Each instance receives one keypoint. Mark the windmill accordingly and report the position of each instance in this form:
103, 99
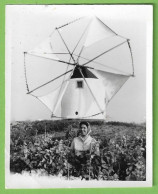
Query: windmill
78, 69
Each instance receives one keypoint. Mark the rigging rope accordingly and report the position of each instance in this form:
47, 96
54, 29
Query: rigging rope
80, 40
78, 117
49, 58
117, 90
101, 65
59, 99
27, 86
69, 23
48, 82
62, 83
66, 117
106, 26
131, 55
56, 53
104, 52
65, 45
91, 91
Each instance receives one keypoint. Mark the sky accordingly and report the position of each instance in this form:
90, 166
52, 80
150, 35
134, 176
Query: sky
28, 25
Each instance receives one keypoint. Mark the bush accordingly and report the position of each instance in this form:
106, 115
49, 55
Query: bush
122, 150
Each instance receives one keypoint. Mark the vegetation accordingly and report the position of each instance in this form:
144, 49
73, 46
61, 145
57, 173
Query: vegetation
44, 146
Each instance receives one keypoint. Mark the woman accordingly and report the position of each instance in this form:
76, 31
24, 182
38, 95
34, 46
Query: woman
84, 142
82, 148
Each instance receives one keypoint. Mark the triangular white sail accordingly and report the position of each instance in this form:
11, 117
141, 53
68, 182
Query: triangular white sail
53, 99
111, 54
50, 99
112, 83
97, 89
97, 31
45, 75
73, 35
44, 50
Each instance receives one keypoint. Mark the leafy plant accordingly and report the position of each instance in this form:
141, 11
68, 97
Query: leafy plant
122, 151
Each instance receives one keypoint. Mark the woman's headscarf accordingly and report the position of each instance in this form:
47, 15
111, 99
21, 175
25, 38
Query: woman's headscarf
87, 125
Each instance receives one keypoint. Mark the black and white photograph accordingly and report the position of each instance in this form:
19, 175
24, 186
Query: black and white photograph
78, 96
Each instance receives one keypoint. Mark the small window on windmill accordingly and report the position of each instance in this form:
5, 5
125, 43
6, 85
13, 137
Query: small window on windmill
79, 84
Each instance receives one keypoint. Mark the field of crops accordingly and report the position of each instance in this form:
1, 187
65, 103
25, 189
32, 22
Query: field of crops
43, 147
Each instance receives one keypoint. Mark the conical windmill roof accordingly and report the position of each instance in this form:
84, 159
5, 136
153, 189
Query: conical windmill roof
85, 72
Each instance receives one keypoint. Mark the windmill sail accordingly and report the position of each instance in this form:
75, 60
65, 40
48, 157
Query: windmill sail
77, 70
111, 83
97, 31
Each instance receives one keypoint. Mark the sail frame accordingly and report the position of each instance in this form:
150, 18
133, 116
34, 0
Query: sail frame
75, 62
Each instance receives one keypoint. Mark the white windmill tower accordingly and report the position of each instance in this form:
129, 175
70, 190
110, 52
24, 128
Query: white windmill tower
84, 96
